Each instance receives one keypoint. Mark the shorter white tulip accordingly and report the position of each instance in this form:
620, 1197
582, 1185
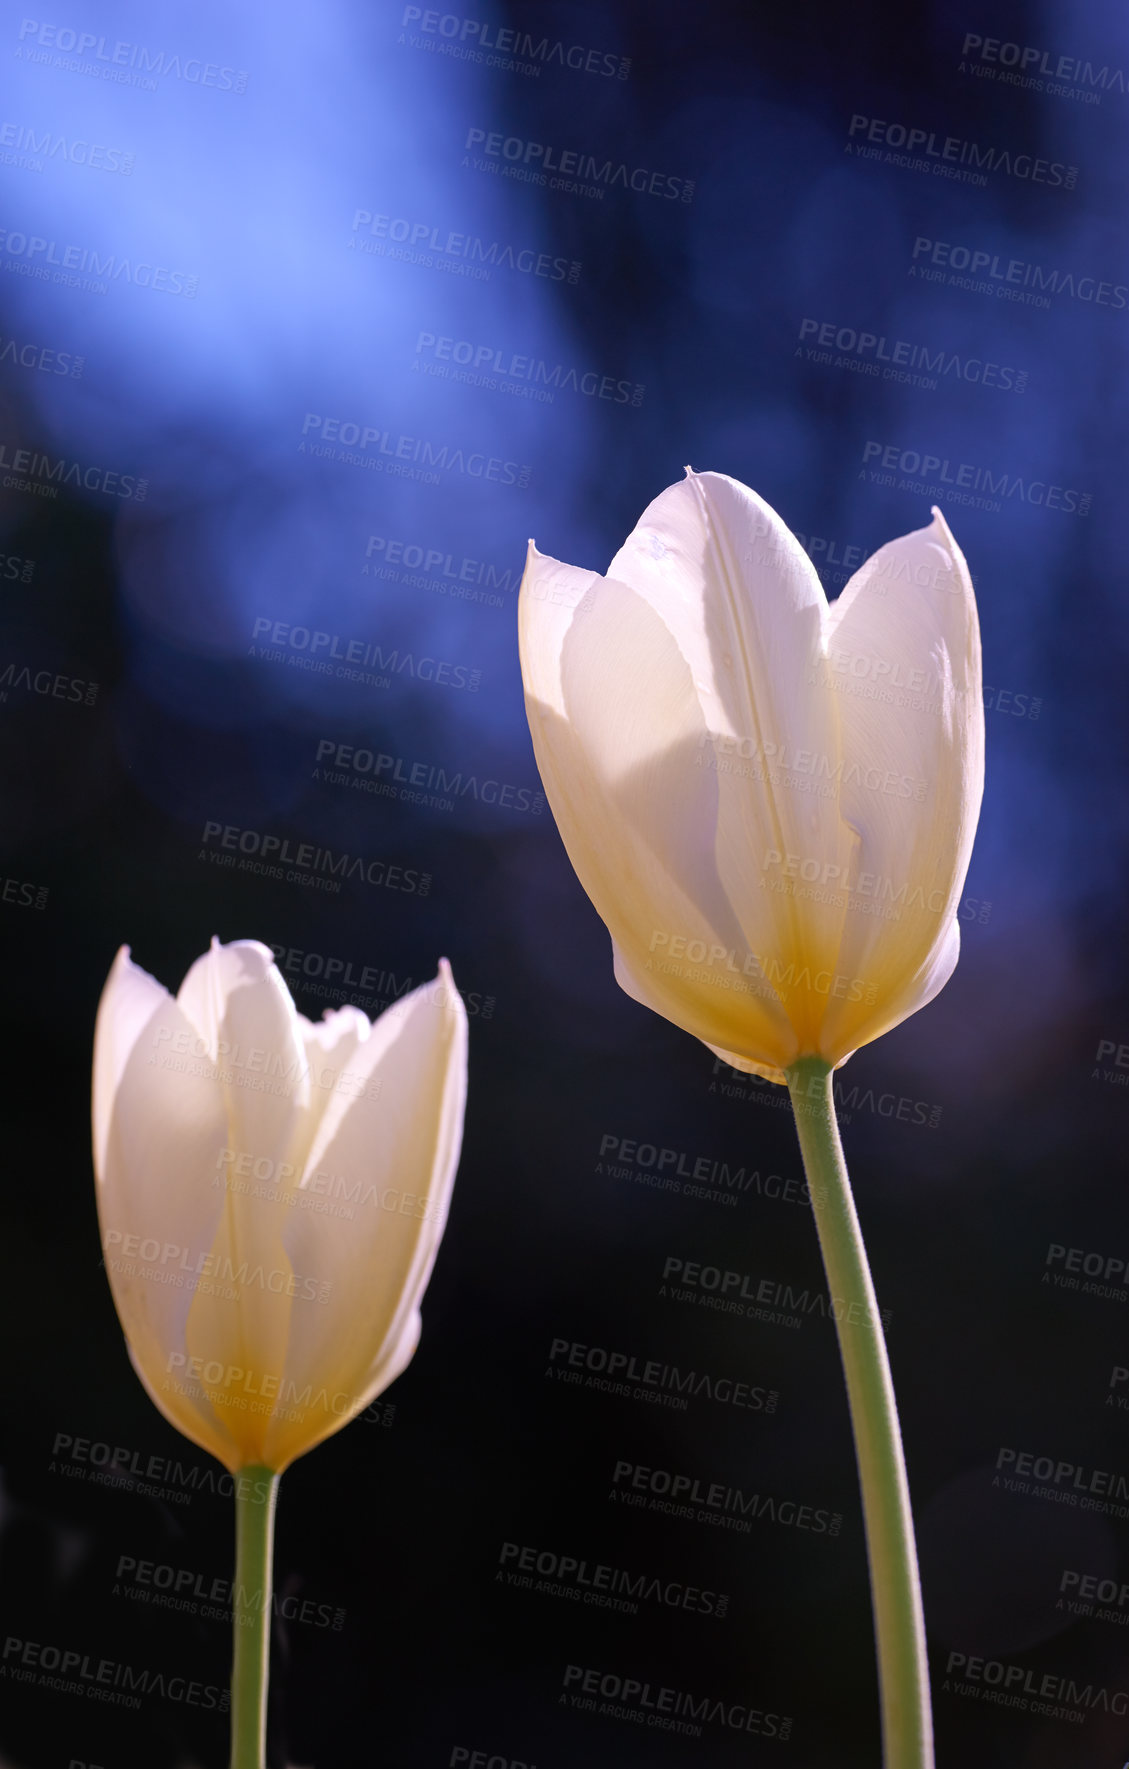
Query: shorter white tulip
271, 1193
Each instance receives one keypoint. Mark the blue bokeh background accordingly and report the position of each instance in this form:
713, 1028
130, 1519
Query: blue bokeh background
322, 196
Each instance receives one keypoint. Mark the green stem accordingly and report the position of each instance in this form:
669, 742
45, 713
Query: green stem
256, 1490
899, 1626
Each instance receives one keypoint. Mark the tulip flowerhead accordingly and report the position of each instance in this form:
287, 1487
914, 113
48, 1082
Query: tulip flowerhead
770, 801
271, 1193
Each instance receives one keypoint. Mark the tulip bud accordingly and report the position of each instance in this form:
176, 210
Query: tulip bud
271, 1193
771, 802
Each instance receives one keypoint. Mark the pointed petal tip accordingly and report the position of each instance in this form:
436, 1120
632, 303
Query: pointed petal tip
534, 557
122, 962
940, 521
950, 540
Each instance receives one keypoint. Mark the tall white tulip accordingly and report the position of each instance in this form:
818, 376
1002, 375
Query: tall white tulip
271, 1193
771, 802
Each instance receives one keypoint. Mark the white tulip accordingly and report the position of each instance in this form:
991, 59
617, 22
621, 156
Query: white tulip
271, 1193
771, 802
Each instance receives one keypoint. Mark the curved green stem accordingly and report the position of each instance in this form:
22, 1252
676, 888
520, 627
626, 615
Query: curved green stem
899, 1626
256, 1490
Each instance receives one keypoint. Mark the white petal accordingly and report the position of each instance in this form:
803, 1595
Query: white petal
551, 594
749, 612
240, 1318
766, 1071
243, 1011
742, 599
624, 758
337, 1033
330, 1045
905, 632
159, 1130
131, 1000
186, 1406
386, 1149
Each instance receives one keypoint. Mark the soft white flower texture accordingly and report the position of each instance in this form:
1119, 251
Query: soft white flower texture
770, 801
258, 1322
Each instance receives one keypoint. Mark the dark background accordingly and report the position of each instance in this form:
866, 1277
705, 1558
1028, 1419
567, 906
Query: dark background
982, 1135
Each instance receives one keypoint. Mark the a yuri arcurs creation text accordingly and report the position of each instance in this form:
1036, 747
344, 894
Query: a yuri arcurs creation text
271, 1198
771, 802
